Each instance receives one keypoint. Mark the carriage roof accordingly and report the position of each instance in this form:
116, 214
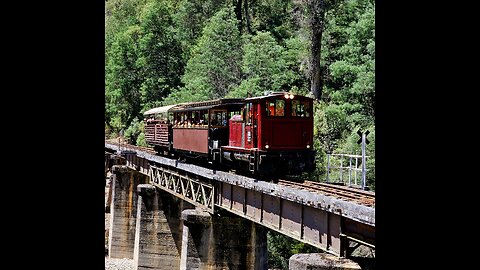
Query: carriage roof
157, 110
275, 94
205, 105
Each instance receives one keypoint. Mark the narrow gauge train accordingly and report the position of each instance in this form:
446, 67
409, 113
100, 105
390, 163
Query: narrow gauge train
268, 135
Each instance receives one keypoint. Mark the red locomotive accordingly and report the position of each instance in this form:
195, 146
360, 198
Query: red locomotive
266, 135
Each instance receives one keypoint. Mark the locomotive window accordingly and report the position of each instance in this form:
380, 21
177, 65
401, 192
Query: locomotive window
279, 107
232, 113
300, 108
248, 114
275, 107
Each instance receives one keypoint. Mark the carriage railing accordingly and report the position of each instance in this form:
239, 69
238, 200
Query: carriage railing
346, 169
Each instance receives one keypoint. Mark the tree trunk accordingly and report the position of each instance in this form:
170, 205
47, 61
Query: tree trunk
317, 21
238, 13
247, 18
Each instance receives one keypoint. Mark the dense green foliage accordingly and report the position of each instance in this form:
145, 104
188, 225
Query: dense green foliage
160, 52
348, 102
214, 66
281, 248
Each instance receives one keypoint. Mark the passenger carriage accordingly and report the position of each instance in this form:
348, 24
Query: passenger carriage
158, 128
201, 128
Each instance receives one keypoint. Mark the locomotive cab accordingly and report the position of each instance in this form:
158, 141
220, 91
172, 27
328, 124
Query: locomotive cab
274, 135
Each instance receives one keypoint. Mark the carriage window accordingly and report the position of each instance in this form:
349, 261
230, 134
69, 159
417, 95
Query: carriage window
204, 119
218, 118
223, 118
180, 119
300, 108
275, 107
213, 119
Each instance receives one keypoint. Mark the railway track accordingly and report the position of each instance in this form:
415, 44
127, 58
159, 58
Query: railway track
123, 145
358, 196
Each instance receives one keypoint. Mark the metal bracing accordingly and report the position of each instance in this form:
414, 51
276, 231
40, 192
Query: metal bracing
185, 186
110, 160
107, 162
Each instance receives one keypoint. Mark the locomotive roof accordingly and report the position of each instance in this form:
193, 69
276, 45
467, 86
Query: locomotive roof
205, 105
274, 94
162, 109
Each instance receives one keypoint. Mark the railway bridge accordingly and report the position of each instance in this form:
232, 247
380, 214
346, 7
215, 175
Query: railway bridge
166, 214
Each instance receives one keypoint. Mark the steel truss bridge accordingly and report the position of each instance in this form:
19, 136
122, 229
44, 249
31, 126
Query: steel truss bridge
332, 224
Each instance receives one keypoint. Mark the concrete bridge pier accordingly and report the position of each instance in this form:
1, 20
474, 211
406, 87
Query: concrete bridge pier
320, 261
158, 239
123, 211
110, 161
215, 242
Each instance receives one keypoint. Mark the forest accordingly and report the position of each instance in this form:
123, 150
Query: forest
162, 52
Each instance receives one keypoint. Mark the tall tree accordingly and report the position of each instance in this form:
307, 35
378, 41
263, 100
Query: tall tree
353, 68
190, 18
274, 16
349, 60
160, 57
267, 66
214, 68
122, 80
119, 15
122, 77
316, 12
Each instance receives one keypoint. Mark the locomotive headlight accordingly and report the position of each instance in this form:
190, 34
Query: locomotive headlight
291, 96
286, 96
308, 146
267, 146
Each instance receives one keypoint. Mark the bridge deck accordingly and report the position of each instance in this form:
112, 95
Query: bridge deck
357, 212
306, 215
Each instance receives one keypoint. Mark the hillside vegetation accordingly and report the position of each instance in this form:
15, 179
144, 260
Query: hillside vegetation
161, 52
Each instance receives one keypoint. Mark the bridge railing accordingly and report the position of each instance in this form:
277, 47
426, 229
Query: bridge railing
346, 169
184, 186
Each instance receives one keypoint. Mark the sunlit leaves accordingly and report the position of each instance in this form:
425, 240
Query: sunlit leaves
214, 68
